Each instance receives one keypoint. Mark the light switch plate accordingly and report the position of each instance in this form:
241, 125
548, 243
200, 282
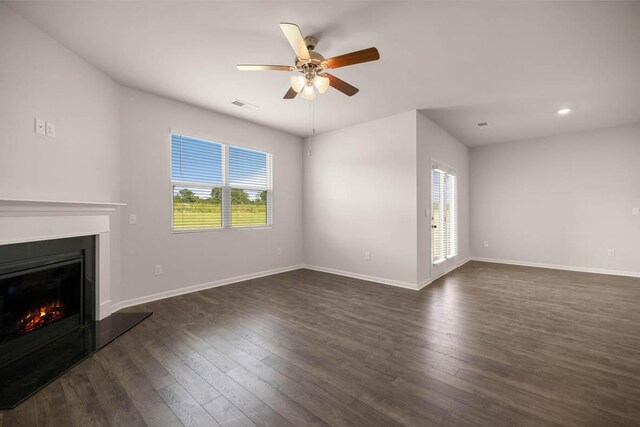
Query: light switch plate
133, 219
51, 130
635, 211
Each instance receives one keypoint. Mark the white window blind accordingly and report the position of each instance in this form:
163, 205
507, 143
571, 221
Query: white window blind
444, 225
218, 186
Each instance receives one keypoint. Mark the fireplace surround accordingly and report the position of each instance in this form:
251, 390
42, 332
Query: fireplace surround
55, 291
47, 289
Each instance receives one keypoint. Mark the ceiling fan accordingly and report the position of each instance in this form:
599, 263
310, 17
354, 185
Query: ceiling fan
313, 66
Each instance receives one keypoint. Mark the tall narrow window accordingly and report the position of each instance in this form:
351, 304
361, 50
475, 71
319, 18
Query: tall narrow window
218, 186
444, 227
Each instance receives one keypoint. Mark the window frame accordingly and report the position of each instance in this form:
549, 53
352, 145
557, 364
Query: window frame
225, 187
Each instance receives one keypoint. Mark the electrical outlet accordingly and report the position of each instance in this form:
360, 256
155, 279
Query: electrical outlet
133, 219
611, 252
486, 243
157, 270
635, 211
51, 130
40, 126
279, 251
367, 255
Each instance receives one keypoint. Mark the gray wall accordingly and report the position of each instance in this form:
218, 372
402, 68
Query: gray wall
366, 188
111, 138
561, 201
434, 144
360, 195
41, 78
198, 257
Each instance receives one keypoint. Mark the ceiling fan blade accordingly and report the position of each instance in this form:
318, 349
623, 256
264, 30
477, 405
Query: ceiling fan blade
290, 94
358, 57
294, 36
249, 67
341, 85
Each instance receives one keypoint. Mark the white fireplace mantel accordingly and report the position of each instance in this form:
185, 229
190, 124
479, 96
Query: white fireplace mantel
32, 220
29, 207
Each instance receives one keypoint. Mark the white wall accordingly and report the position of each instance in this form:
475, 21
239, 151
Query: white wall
95, 117
41, 78
434, 144
196, 258
360, 195
560, 201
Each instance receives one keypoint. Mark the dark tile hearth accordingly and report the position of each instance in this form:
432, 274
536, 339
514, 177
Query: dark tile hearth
25, 376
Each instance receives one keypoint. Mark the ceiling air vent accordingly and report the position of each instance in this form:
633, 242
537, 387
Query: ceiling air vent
244, 105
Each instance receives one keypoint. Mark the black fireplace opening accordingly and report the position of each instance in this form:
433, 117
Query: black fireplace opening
46, 291
48, 314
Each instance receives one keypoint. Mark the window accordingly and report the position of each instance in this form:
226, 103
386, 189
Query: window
444, 225
218, 186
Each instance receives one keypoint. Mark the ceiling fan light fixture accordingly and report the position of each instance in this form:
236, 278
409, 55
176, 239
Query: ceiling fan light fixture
321, 83
308, 93
312, 65
297, 83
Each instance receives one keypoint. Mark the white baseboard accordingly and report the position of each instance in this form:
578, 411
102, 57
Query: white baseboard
104, 310
384, 281
425, 283
559, 267
195, 288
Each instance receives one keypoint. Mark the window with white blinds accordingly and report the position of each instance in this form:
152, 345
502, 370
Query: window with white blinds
219, 186
444, 225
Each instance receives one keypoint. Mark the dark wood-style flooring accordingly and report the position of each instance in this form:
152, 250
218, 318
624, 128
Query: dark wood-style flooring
488, 344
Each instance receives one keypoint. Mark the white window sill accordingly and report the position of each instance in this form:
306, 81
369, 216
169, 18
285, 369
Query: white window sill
217, 230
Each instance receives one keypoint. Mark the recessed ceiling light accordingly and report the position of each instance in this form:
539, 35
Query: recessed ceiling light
563, 111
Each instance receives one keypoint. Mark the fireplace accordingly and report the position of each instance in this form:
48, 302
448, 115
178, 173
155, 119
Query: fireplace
55, 288
46, 291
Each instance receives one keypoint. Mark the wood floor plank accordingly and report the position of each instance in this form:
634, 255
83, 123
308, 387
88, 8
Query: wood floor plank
83, 403
153, 370
211, 354
226, 414
254, 408
186, 408
137, 386
342, 401
288, 408
49, 402
485, 345
197, 387
112, 395
24, 415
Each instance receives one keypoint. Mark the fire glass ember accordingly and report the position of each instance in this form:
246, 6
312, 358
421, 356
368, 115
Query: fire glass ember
38, 318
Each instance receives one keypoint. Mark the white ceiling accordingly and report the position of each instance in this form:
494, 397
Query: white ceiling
510, 64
